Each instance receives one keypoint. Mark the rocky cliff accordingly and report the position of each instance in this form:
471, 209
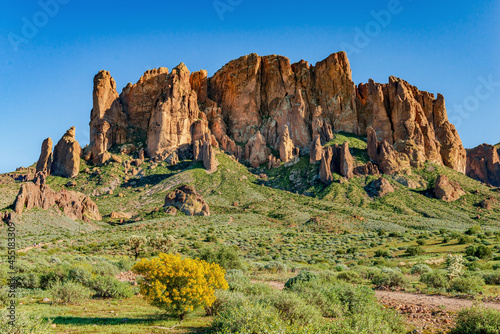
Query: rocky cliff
285, 106
483, 164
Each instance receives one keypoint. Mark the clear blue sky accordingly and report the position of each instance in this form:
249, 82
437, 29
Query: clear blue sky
46, 86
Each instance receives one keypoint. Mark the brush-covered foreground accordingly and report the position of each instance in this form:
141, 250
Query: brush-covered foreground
267, 226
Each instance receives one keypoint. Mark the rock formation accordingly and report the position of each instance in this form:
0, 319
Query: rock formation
256, 151
45, 159
483, 164
379, 188
186, 199
264, 95
66, 158
447, 190
316, 150
73, 204
412, 121
209, 161
336, 159
288, 151
389, 161
346, 161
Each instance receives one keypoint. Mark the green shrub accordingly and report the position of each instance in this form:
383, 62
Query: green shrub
477, 320
104, 268
28, 281
476, 229
315, 292
110, 287
390, 279
382, 253
247, 317
414, 250
421, 242
465, 239
350, 276
292, 308
420, 269
80, 275
227, 257
276, 267
481, 252
48, 279
436, 279
491, 277
70, 293
24, 324
303, 276
471, 284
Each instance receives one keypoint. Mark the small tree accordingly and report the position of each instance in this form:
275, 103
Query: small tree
162, 242
179, 285
136, 243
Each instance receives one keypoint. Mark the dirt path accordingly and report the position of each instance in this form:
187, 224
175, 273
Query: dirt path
37, 246
431, 301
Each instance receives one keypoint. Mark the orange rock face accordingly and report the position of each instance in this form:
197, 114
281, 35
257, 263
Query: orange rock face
264, 94
483, 164
66, 161
73, 204
45, 159
412, 121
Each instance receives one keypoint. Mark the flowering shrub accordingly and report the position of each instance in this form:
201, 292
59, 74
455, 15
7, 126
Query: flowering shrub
179, 285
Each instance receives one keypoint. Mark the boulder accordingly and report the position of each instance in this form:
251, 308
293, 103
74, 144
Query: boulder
66, 161
447, 190
379, 188
186, 199
45, 159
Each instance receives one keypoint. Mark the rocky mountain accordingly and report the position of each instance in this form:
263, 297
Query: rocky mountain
256, 105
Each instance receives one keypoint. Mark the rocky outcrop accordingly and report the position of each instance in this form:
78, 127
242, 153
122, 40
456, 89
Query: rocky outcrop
316, 150
256, 151
186, 199
379, 188
107, 120
209, 161
336, 159
368, 169
288, 151
483, 164
346, 162
45, 159
66, 161
388, 160
273, 162
176, 110
447, 190
412, 121
73, 204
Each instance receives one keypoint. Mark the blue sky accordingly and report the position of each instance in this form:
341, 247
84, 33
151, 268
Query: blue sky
450, 47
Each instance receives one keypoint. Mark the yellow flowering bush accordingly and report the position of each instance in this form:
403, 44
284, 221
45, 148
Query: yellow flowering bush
179, 285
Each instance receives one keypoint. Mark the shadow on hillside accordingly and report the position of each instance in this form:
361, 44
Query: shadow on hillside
156, 178
83, 321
